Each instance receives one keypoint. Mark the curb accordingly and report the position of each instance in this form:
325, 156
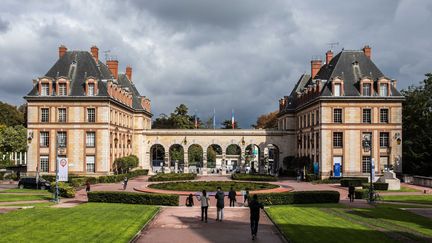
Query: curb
138, 234
281, 235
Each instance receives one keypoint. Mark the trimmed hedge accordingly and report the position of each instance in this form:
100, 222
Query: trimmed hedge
382, 186
361, 194
134, 198
65, 190
252, 177
311, 177
354, 181
327, 181
299, 197
173, 177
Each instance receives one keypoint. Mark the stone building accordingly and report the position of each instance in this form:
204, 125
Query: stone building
337, 108
96, 112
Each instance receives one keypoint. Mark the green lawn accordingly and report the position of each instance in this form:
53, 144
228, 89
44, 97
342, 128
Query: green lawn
335, 223
90, 222
29, 191
211, 186
422, 199
4, 197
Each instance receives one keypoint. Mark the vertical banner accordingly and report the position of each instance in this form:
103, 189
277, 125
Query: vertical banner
63, 166
373, 168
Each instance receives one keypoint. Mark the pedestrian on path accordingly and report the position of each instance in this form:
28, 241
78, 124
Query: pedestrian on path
220, 203
87, 186
205, 203
255, 207
351, 193
125, 182
246, 198
189, 201
232, 197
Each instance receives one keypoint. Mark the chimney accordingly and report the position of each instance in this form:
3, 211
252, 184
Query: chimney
113, 67
367, 51
315, 67
394, 83
95, 53
129, 72
62, 50
329, 56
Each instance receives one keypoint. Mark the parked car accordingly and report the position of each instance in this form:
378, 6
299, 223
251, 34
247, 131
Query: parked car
30, 182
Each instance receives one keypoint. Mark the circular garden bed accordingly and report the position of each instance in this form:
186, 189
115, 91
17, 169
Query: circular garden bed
212, 186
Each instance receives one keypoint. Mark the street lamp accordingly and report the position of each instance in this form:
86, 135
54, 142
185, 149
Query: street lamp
59, 141
367, 144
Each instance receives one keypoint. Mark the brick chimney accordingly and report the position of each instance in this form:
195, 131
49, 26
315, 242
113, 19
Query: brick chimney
367, 51
62, 50
113, 67
129, 72
315, 67
95, 53
329, 56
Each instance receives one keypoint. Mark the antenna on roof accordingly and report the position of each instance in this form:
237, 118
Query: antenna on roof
106, 54
332, 45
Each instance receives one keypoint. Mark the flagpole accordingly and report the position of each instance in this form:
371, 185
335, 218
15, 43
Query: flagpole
214, 118
232, 119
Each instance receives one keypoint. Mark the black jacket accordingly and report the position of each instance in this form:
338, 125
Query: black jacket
232, 194
255, 207
220, 199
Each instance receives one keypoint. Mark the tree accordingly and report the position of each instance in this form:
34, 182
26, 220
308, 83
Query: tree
227, 124
417, 128
179, 119
267, 121
195, 154
233, 150
13, 139
125, 164
176, 153
10, 115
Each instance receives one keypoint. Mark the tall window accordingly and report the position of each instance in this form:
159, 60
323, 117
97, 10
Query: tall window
62, 89
62, 139
313, 118
367, 116
384, 139
62, 115
44, 139
384, 116
337, 115
317, 139
91, 115
367, 89
90, 163
44, 165
366, 164
91, 89
317, 117
337, 90
308, 119
383, 90
90, 139
338, 139
44, 89
44, 115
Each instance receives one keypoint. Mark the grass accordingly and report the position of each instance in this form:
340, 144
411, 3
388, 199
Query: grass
336, 223
211, 186
173, 177
32, 191
5, 197
90, 222
422, 199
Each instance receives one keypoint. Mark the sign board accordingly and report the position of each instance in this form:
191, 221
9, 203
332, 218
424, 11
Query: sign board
63, 166
373, 168
316, 168
337, 161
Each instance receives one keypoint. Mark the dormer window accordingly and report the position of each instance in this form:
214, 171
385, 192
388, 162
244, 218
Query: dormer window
62, 90
337, 90
383, 89
44, 89
91, 89
367, 89
337, 87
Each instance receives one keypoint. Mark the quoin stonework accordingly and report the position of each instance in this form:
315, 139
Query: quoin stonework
97, 115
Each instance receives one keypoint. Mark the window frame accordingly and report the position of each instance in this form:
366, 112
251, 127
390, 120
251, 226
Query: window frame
44, 163
366, 163
365, 113
90, 143
60, 117
338, 142
44, 139
335, 115
62, 145
386, 120
45, 118
91, 165
384, 139
93, 120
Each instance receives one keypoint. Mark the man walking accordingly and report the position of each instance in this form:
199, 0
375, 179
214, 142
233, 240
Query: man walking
220, 203
125, 181
255, 207
232, 197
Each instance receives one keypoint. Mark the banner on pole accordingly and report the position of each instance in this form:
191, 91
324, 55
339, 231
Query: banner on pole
63, 166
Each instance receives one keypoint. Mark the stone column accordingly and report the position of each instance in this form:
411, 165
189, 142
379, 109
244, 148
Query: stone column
242, 159
223, 166
166, 166
176, 167
204, 168
186, 162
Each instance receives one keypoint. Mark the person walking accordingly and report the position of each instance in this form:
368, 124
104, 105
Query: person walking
205, 203
232, 197
189, 201
255, 207
246, 198
220, 203
351, 193
87, 186
125, 182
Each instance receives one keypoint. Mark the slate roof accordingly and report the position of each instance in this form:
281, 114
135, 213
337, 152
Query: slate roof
77, 66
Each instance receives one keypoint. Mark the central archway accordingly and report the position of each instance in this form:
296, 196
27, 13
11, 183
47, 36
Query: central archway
176, 154
233, 158
157, 156
195, 157
214, 158
252, 158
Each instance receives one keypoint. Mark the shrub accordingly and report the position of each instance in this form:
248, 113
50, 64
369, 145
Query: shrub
299, 197
377, 186
173, 177
65, 190
327, 181
311, 177
354, 181
134, 198
49, 178
2, 175
361, 194
251, 177
11, 176
210, 186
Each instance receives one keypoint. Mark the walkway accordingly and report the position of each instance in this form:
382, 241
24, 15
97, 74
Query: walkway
181, 224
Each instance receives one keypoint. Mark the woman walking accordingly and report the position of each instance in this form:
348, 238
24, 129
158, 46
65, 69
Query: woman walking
205, 202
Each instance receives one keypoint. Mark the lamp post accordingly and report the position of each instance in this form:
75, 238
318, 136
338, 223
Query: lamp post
367, 144
59, 141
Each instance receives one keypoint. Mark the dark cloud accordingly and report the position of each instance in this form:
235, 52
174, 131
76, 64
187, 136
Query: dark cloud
240, 55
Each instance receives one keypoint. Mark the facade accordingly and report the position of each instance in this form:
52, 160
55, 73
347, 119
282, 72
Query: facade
338, 108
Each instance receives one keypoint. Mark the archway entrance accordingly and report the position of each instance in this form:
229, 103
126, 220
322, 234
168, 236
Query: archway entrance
214, 159
233, 158
157, 155
252, 158
271, 159
195, 156
176, 153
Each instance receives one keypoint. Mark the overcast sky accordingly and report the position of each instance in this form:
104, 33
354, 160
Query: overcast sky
221, 54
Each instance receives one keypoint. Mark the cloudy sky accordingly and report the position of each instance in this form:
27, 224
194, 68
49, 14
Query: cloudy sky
222, 54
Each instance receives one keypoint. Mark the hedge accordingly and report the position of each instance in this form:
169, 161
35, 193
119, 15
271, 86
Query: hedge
361, 194
252, 177
355, 181
332, 180
173, 177
382, 186
299, 197
65, 190
133, 198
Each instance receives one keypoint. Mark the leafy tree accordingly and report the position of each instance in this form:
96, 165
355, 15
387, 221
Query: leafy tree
227, 124
13, 139
125, 164
267, 121
195, 154
233, 150
179, 119
417, 128
10, 115
162, 122
176, 153
211, 154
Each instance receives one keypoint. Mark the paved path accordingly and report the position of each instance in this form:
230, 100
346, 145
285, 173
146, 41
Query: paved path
181, 224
